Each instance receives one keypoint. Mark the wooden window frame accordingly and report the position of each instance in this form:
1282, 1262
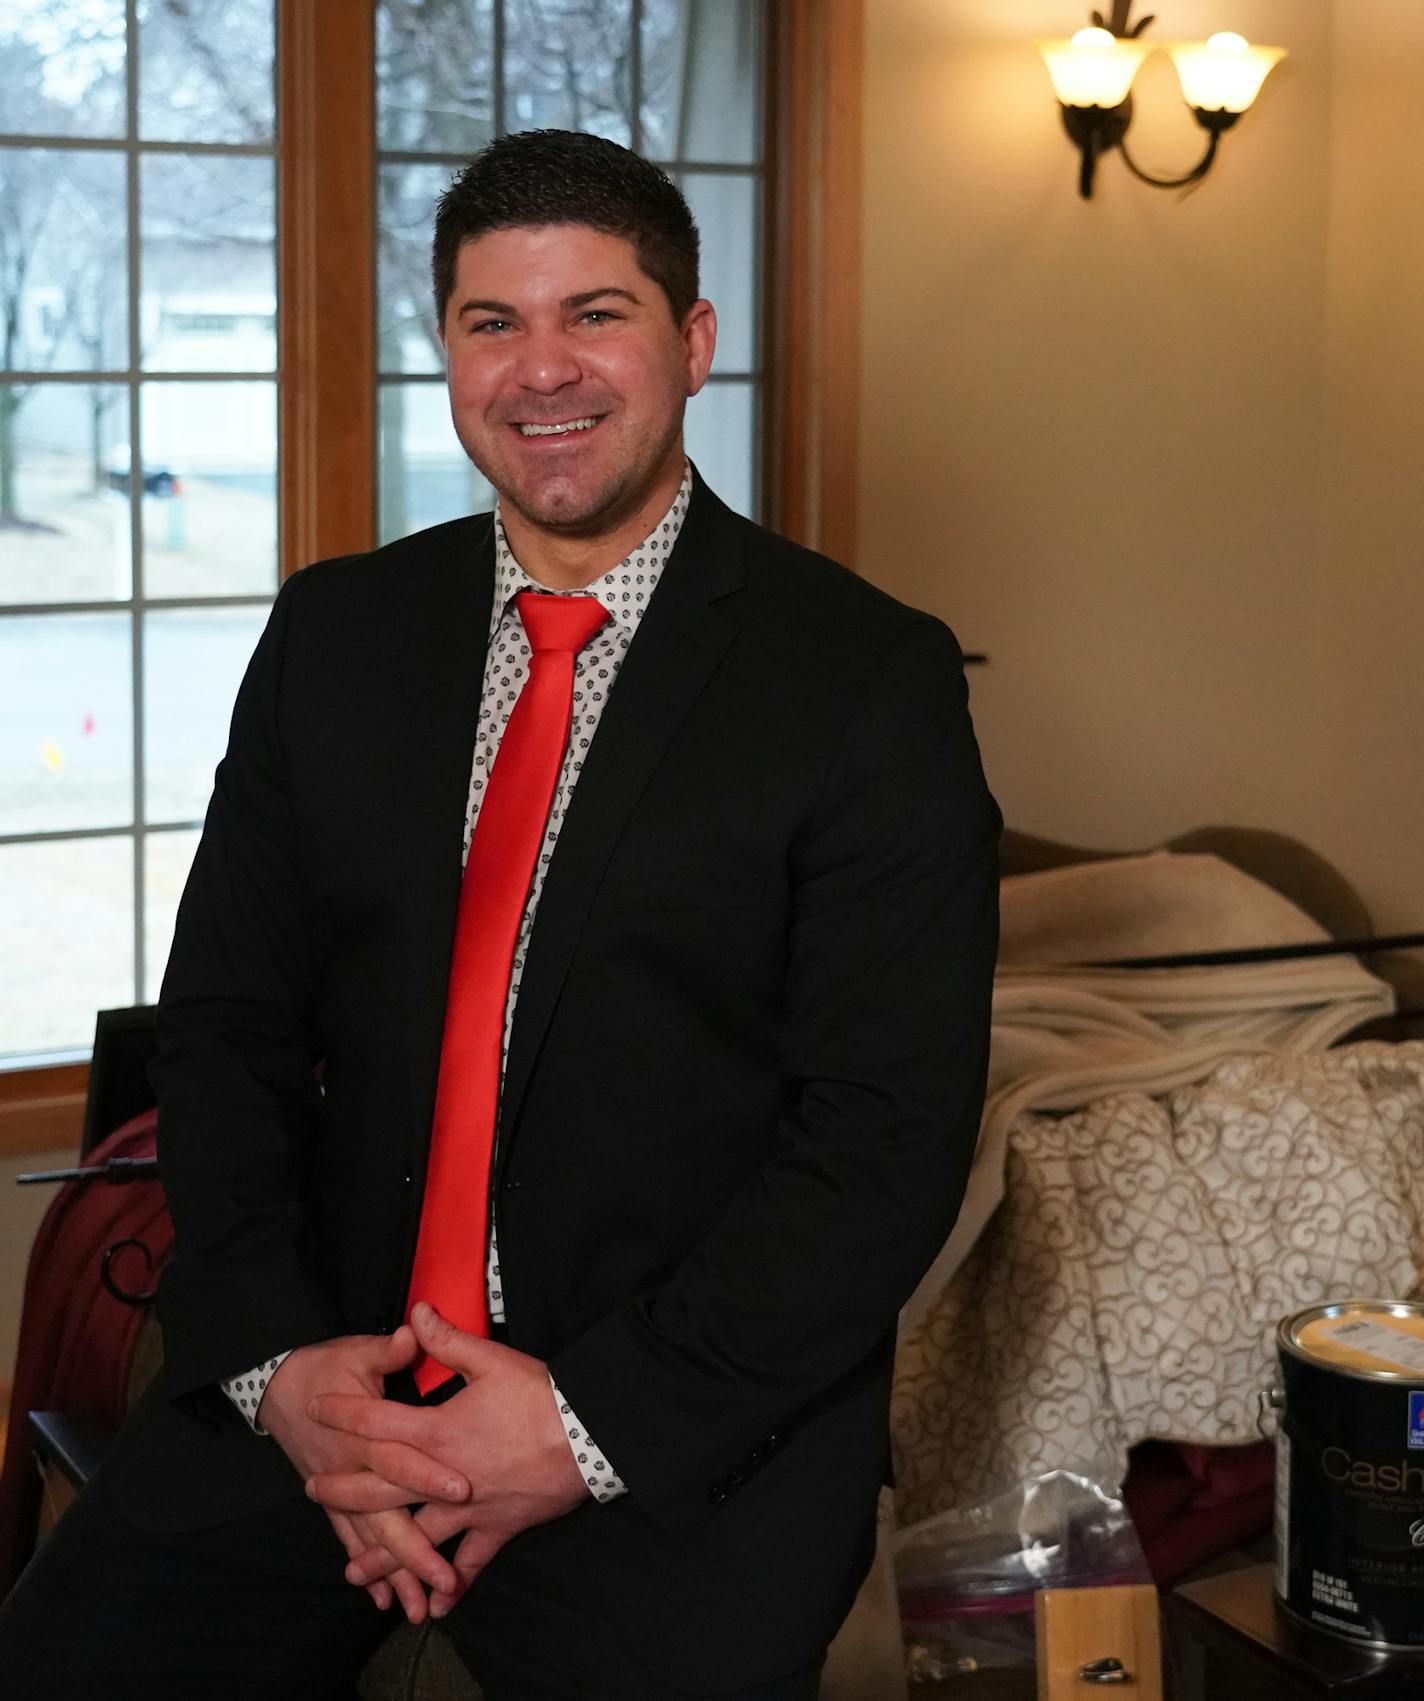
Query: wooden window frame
326, 248
813, 308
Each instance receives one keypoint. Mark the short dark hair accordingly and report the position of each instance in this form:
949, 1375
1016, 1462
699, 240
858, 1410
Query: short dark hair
541, 177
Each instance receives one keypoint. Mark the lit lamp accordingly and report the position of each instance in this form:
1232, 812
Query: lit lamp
1092, 76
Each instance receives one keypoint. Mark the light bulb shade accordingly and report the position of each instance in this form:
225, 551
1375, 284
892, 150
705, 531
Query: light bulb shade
1223, 74
1094, 68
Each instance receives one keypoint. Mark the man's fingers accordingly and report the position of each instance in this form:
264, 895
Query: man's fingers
344, 1532
380, 1592
427, 1479
414, 1601
471, 1557
439, 1523
373, 1419
394, 1352
356, 1491
397, 1476
404, 1544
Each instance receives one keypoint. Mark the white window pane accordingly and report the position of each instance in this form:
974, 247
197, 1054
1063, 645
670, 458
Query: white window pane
205, 70
66, 722
434, 75
210, 489
405, 327
62, 68
568, 65
208, 290
702, 80
65, 533
63, 249
193, 662
425, 476
721, 441
725, 208
66, 916
167, 857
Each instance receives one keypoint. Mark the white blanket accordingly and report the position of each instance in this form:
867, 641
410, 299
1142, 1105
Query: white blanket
1219, 1171
1063, 1037
1130, 1285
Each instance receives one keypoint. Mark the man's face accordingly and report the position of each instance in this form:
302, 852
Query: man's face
568, 374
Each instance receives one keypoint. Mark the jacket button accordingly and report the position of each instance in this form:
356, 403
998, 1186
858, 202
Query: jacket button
718, 1494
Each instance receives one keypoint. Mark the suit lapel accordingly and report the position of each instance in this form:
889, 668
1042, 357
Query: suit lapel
680, 641
439, 724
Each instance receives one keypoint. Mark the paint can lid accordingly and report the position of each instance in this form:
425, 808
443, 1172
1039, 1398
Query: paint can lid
1378, 1340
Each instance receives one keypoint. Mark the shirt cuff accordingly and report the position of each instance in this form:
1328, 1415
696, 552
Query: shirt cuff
603, 1481
246, 1391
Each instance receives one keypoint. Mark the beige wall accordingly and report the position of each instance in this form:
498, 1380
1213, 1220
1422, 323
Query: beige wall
1135, 448
1370, 664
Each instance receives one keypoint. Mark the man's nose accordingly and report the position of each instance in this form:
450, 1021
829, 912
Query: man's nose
548, 360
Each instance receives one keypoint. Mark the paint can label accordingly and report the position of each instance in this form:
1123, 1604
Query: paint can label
1350, 1526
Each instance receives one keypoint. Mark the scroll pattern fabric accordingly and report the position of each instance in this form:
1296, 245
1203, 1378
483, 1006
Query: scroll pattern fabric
1130, 1284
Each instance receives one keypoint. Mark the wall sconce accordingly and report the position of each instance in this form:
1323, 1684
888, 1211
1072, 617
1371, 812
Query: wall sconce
1092, 77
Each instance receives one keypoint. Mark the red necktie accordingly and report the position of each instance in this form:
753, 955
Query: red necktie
451, 1251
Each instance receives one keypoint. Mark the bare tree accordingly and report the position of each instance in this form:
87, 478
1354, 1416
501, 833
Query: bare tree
28, 208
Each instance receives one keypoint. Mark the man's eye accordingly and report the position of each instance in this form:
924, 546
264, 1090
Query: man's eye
599, 316
490, 325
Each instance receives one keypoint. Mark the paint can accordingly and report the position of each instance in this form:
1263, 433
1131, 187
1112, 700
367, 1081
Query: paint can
1350, 1470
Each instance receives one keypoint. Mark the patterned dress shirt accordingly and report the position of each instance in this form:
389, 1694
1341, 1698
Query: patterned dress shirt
624, 591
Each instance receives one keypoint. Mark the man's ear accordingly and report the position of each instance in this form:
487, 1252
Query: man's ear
699, 341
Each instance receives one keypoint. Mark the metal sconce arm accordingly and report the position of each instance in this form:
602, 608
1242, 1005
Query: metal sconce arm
1217, 123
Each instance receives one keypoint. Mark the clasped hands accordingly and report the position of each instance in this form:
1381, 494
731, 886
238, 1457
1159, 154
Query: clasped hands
491, 1461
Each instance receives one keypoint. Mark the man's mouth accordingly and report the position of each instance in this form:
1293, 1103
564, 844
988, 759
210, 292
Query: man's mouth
565, 429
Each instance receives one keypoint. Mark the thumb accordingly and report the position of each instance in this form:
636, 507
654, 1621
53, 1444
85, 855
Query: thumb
452, 1347
394, 1352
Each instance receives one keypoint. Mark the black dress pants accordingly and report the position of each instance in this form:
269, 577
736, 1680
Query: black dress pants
257, 1609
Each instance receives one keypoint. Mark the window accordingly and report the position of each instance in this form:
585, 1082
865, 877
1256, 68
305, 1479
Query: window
678, 80
139, 377
138, 457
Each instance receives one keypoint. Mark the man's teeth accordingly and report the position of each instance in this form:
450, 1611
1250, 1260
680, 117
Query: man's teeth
557, 430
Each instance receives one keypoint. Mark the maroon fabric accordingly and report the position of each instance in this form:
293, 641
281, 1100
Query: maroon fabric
76, 1339
1189, 1504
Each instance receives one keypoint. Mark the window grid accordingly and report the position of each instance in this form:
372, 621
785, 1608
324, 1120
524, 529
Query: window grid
136, 605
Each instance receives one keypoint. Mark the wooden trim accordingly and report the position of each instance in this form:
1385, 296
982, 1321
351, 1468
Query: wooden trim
815, 66
1073, 1627
326, 245
42, 1110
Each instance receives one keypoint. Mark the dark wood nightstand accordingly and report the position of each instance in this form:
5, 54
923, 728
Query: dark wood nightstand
1228, 1641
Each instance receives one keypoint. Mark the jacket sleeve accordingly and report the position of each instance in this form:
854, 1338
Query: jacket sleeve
883, 1057
238, 1102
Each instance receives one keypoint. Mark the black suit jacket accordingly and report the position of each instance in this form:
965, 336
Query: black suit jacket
743, 1082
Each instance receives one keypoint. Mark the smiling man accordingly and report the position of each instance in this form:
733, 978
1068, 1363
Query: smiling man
572, 1051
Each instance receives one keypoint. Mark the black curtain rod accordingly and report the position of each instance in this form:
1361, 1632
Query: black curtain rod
1269, 953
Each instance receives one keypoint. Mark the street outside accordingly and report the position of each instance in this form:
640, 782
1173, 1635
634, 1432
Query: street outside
66, 729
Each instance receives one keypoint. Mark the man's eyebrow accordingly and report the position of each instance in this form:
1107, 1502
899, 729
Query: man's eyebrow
570, 303
501, 307
573, 302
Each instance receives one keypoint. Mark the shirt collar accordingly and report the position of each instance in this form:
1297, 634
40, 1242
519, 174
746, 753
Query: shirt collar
623, 590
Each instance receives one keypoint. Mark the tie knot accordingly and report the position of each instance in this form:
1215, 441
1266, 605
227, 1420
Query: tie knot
559, 623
